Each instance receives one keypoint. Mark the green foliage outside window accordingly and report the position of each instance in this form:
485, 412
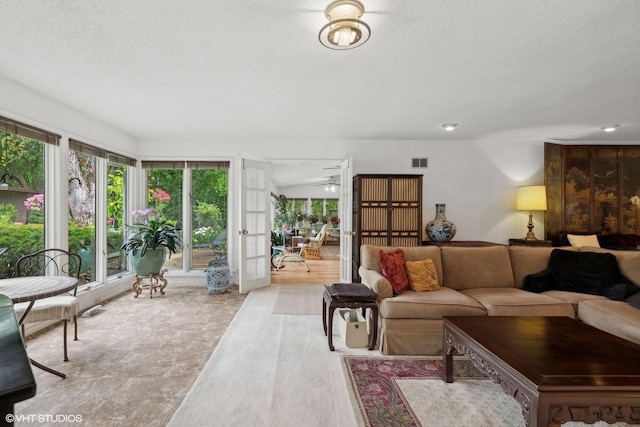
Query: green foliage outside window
23, 159
115, 201
8, 213
19, 239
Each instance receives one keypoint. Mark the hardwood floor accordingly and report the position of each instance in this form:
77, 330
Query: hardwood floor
326, 270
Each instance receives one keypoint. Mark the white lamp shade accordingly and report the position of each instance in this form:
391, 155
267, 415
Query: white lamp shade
531, 198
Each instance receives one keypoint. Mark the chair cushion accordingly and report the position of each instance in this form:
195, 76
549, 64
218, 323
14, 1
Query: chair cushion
53, 308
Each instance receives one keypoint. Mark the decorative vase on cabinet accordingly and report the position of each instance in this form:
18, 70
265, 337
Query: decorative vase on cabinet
440, 229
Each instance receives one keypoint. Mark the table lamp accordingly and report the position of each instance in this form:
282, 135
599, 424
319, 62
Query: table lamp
531, 198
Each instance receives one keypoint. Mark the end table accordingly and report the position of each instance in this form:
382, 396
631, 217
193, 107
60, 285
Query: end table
348, 295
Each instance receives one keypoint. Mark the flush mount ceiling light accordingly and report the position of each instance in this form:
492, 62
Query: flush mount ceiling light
344, 30
449, 126
610, 128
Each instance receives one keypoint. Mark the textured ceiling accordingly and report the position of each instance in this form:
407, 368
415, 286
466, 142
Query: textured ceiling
234, 70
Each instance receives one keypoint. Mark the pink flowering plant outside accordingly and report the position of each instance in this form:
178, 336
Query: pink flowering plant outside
35, 202
159, 199
35, 208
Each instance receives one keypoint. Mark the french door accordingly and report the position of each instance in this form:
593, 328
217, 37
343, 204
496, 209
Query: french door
255, 230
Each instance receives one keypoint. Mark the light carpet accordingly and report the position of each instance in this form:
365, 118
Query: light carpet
271, 370
298, 299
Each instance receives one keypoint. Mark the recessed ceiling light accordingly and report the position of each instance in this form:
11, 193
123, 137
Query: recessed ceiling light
449, 126
610, 128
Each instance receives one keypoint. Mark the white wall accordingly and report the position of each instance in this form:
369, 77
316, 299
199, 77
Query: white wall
22, 104
476, 180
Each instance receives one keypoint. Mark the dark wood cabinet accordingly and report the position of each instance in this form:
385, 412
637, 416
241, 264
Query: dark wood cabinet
525, 242
589, 189
387, 211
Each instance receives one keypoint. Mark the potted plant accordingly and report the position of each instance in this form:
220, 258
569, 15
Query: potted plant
300, 216
277, 241
148, 243
313, 218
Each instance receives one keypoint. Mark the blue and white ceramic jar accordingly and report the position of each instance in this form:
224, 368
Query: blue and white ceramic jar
440, 229
218, 276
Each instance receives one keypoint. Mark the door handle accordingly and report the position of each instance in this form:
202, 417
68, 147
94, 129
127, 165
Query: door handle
243, 232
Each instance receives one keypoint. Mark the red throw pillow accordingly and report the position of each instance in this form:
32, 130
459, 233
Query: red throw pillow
393, 269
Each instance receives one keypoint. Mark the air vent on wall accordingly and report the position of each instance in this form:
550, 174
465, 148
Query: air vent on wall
422, 162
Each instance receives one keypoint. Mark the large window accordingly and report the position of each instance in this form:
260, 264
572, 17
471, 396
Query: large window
164, 198
23, 196
117, 208
206, 217
209, 192
97, 187
82, 207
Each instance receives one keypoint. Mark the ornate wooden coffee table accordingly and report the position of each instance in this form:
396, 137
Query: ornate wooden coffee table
558, 369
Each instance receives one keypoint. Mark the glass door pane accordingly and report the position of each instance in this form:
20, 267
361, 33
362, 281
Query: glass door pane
116, 215
82, 210
22, 199
209, 216
165, 198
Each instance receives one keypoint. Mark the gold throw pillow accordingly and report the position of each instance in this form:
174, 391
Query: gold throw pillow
422, 275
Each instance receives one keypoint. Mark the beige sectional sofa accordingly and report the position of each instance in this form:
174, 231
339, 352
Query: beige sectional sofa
486, 281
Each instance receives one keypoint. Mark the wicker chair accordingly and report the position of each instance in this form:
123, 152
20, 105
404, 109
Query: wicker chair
312, 248
52, 262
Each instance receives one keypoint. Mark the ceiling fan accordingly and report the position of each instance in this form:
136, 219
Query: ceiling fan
330, 186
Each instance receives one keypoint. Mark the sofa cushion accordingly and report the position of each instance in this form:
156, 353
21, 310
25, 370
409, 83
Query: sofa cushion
393, 269
616, 317
476, 267
422, 275
370, 255
527, 260
430, 305
572, 298
584, 272
628, 262
634, 300
580, 240
516, 302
